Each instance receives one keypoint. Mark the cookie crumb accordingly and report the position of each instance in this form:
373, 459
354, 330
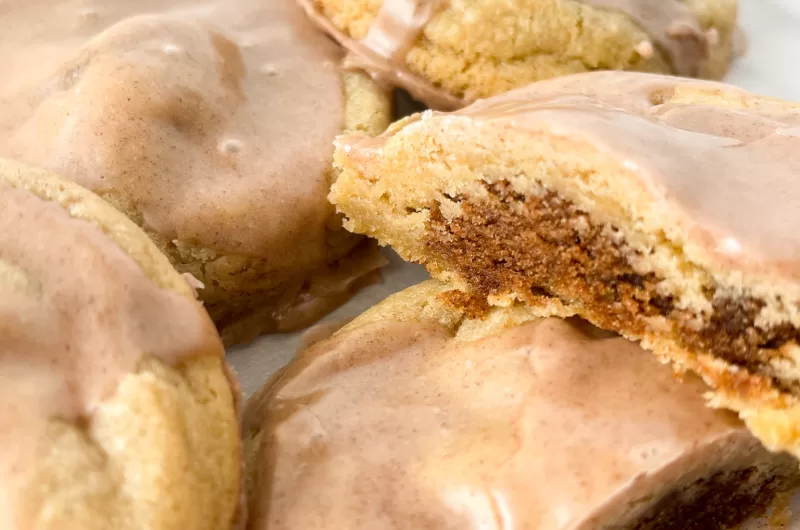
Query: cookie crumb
193, 282
645, 49
473, 307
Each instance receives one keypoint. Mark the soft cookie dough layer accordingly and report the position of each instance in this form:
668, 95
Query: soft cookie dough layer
118, 408
665, 209
210, 125
414, 417
451, 53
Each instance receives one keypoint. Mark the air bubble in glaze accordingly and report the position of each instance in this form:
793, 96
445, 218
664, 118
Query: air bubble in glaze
269, 70
231, 146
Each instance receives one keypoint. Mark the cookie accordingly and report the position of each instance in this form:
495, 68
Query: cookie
413, 416
663, 208
210, 125
118, 408
448, 54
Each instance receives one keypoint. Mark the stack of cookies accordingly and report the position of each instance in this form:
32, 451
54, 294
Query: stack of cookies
179, 176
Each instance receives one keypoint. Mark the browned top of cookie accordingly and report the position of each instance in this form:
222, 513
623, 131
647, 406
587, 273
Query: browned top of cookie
77, 313
710, 166
550, 425
211, 121
671, 25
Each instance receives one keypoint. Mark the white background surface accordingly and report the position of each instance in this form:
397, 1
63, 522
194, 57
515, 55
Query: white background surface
771, 67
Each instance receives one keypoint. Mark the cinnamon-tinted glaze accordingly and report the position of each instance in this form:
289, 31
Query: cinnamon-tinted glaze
77, 315
211, 121
552, 425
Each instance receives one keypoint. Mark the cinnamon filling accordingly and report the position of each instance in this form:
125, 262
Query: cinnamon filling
544, 245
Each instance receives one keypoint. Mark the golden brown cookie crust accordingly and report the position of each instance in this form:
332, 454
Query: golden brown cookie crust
162, 451
477, 49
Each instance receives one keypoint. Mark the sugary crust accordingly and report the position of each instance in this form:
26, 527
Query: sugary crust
163, 451
429, 302
478, 49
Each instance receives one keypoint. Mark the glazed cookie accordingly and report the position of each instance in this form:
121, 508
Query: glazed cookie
210, 125
118, 408
518, 420
665, 209
448, 54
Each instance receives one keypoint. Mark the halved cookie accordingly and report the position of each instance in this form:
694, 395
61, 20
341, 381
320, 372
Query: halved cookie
413, 416
210, 125
664, 209
448, 54
118, 408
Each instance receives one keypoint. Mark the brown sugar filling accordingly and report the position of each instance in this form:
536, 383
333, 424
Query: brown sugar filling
544, 245
723, 500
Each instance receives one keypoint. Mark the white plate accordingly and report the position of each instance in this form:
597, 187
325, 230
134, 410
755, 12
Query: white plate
769, 67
